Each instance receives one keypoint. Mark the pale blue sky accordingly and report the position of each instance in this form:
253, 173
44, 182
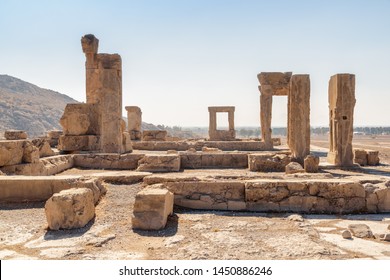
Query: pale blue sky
179, 57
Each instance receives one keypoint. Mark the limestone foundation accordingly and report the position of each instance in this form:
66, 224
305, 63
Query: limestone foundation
341, 106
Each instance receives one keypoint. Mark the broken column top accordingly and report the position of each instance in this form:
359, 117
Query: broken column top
90, 44
275, 83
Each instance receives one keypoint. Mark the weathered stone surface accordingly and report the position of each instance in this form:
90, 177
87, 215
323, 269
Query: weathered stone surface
386, 237
278, 80
43, 147
311, 163
298, 137
341, 107
30, 153
221, 135
41, 188
80, 119
69, 209
360, 156
268, 162
249, 145
11, 152
294, 167
346, 234
372, 157
308, 196
53, 136
265, 191
198, 160
154, 135
210, 150
360, 230
15, 134
43, 167
134, 120
107, 161
295, 218
151, 209
377, 197
159, 163
79, 143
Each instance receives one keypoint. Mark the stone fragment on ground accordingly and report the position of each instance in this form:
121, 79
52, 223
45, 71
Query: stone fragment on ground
295, 218
294, 167
360, 230
151, 209
346, 234
68, 209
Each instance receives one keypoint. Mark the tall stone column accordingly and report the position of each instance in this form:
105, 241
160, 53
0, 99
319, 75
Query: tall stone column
341, 107
134, 120
299, 117
104, 88
266, 115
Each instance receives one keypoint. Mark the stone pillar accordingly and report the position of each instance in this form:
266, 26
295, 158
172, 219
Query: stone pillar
134, 120
341, 107
212, 122
104, 88
299, 117
266, 115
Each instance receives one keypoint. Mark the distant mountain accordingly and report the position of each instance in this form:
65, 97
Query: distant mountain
24, 106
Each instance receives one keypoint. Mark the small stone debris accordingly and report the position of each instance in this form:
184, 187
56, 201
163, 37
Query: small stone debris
360, 230
346, 234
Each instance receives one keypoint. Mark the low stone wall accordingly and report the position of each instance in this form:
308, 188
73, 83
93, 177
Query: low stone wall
331, 196
199, 160
44, 167
41, 188
107, 161
198, 145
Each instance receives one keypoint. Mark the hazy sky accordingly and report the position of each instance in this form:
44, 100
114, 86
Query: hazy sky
181, 56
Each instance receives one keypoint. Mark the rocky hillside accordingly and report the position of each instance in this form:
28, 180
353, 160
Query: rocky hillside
25, 106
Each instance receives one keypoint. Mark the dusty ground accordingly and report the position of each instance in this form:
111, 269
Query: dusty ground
191, 234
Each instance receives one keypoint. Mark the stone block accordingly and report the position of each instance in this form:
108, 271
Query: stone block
11, 152
294, 167
279, 81
72, 143
159, 163
15, 134
372, 157
80, 119
53, 136
30, 153
126, 161
69, 209
152, 207
154, 135
268, 162
311, 163
44, 147
360, 156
